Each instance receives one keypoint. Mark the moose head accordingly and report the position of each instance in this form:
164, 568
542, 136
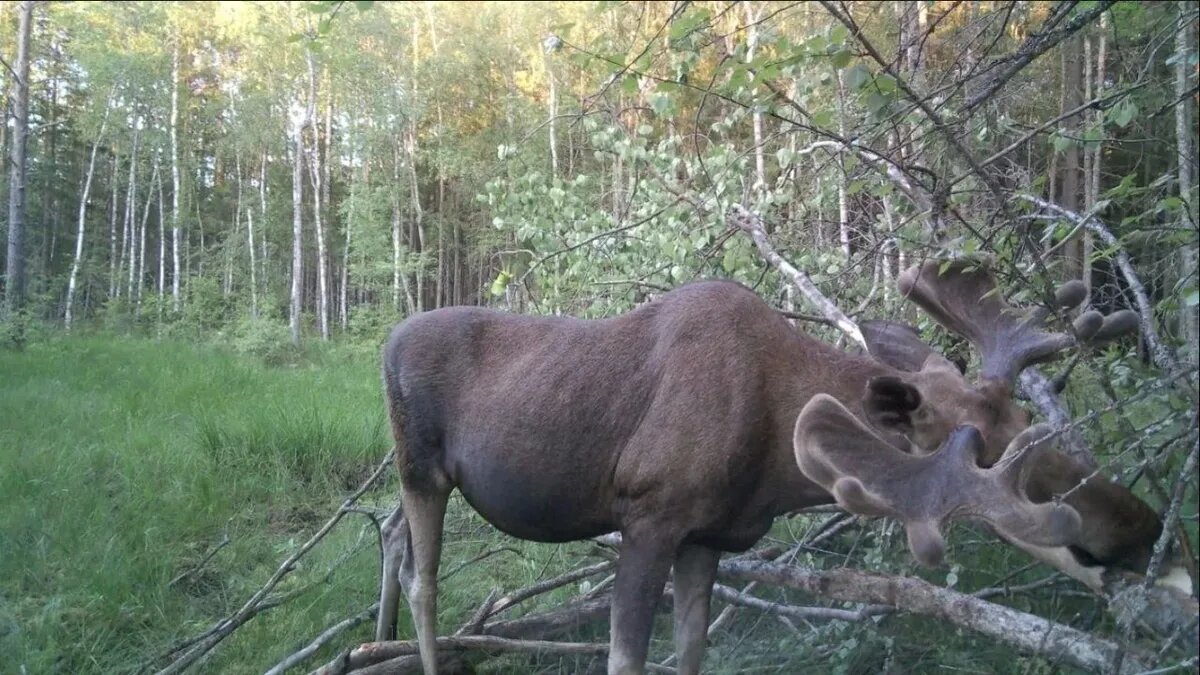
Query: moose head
930, 398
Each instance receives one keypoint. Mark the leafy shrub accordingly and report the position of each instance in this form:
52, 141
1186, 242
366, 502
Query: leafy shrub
268, 340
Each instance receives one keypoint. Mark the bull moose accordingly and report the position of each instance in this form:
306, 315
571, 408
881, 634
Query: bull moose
691, 422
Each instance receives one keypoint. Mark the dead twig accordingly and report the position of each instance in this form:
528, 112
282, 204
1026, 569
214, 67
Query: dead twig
225, 540
305, 652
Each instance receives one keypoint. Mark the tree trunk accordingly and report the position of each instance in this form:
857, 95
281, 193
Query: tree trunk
162, 248
297, 230
175, 56
14, 294
141, 257
1185, 146
113, 201
314, 167
842, 196
1071, 182
760, 165
83, 200
130, 225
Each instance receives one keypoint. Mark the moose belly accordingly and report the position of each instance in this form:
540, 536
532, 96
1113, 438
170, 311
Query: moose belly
535, 505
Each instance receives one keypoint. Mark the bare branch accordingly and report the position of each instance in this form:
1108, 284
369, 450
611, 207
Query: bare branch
752, 224
321, 640
1025, 631
1162, 356
1035, 46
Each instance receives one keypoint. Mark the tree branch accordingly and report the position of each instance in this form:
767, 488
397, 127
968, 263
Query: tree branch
752, 224
1027, 632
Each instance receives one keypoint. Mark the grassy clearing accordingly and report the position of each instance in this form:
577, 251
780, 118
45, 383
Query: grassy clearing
124, 461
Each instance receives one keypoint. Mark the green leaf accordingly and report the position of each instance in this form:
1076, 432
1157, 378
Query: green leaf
877, 103
841, 58
629, 84
886, 83
856, 77
689, 22
823, 118
1191, 297
838, 33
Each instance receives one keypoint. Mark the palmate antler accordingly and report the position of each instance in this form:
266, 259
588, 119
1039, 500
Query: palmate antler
962, 296
868, 476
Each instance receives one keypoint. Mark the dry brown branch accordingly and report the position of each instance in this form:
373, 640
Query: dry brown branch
201, 644
1025, 631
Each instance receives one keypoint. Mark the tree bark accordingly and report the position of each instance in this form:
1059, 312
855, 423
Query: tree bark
175, 183
314, 167
14, 294
297, 230
1072, 182
83, 200
1185, 146
130, 224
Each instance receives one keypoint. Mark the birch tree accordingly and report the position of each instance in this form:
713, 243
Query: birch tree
14, 294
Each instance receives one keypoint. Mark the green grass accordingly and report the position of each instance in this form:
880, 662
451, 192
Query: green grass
123, 461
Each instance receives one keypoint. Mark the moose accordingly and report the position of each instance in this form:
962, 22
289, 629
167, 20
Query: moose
689, 423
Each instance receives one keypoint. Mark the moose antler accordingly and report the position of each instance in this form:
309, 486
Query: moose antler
869, 477
963, 298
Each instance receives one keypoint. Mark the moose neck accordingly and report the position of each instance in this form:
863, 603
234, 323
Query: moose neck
805, 368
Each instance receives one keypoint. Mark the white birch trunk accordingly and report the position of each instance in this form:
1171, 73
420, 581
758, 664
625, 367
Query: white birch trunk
297, 231
83, 200
314, 167
131, 214
175, 175
1185, 127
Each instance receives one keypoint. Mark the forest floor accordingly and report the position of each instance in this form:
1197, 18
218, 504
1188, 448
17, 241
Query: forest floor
125, 462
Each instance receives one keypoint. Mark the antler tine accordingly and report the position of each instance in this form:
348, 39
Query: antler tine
869, 477
962, 296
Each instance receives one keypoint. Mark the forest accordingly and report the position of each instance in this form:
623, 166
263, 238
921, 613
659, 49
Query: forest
217, 211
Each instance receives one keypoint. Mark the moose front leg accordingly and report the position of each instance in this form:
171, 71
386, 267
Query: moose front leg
641, 574
394, 544
695, 571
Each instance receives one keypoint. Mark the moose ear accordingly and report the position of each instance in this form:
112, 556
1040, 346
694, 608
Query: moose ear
889, 403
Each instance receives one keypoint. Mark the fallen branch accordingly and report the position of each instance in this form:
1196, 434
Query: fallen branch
1025, 631
304, 653
225, 540
201, 644
546, 586
736, 597
752, 224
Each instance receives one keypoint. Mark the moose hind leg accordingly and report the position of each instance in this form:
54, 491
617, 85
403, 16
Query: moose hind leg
394, 536
695, 571
641, 574
425, 512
